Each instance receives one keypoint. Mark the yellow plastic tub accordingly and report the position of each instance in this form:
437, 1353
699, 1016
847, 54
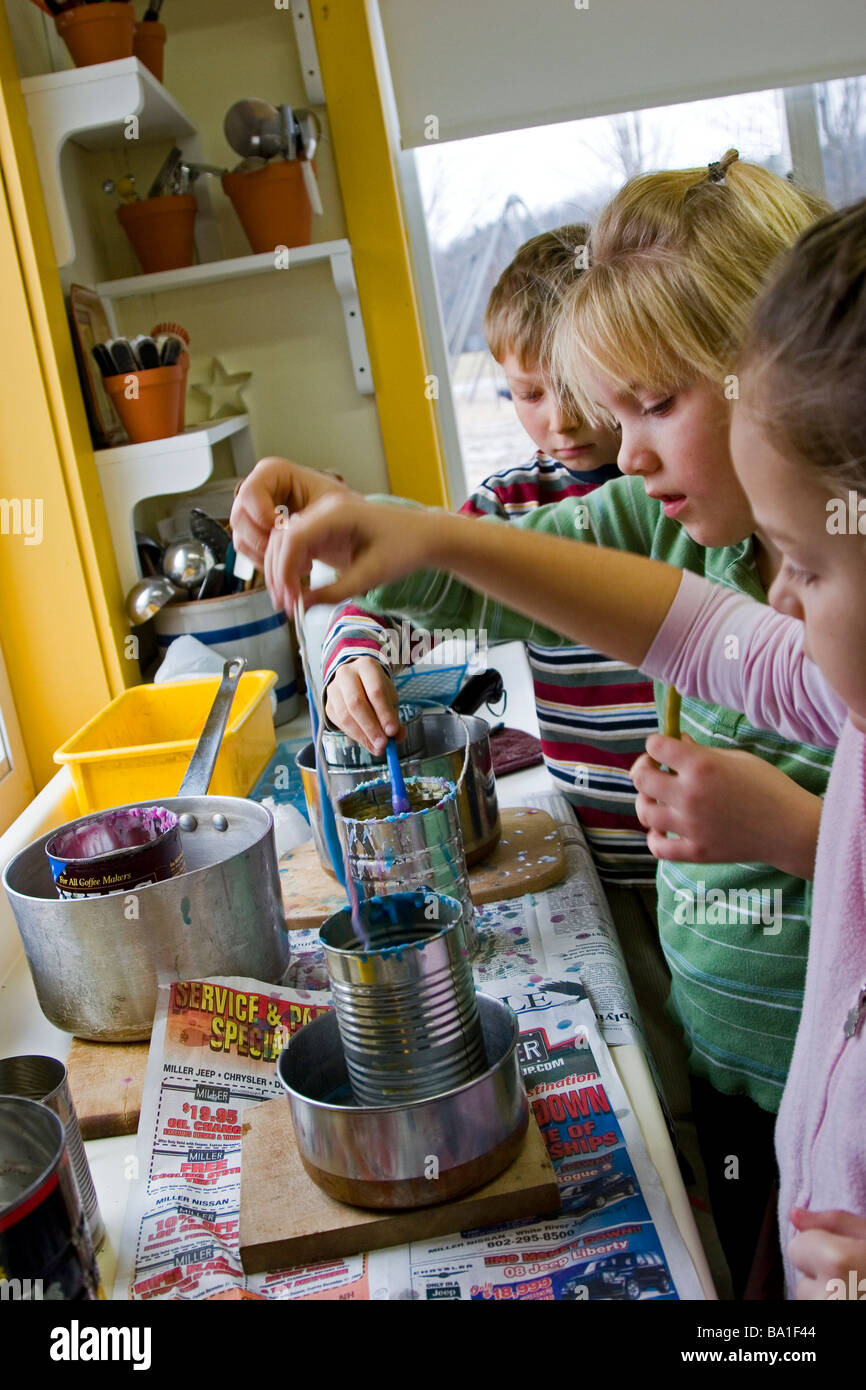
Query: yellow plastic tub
139, 746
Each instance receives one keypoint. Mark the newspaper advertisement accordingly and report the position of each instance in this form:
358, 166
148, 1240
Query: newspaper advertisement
213, 1054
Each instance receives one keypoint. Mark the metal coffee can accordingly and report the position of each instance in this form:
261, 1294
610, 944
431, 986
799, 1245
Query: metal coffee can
404, 998
45, 1079
45, 1246
422, 848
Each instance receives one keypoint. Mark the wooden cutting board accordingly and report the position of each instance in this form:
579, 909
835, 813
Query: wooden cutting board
528, 859
107, 1083
286, 1220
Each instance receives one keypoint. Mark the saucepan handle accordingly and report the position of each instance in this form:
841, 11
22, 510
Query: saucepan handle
200, 771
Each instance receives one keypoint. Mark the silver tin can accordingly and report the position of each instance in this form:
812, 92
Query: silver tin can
45, 1079
405, 1001
45, 1246
422, 848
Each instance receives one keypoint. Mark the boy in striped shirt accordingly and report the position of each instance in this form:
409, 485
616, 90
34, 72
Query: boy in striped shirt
594, 714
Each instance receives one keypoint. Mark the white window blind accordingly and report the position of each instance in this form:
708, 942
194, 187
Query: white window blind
479, 66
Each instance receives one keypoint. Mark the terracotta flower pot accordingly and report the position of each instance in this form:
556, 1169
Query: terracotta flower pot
151, 404
97, 33
162, 230
149, 45
272, 204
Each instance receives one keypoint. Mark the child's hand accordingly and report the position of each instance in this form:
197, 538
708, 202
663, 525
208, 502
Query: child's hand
830, 1245
367, 543
726, 807
362, 701
273, 483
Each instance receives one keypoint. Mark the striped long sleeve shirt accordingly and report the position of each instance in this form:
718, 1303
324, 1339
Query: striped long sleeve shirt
735, 936
594, 714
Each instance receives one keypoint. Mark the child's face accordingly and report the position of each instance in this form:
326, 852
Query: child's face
823, 578
563, 436
678, 444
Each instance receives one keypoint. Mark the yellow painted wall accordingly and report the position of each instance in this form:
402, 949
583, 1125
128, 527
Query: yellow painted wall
60, 604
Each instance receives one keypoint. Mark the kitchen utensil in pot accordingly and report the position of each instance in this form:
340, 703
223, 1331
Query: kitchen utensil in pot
186, 562
95, 963
254, 127
149, 595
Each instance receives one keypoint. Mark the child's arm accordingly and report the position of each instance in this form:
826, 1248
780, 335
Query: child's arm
273, 491
360, 694
610, 601
718, 646
830, 1246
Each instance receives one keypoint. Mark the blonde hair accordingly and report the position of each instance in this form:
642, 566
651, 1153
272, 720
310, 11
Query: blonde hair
525, 301
676, 263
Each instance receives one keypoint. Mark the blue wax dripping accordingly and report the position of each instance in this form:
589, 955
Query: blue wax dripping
329, 824
399, 798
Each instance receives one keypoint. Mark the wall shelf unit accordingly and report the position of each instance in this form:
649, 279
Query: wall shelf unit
131, 473
93, 107
338, 253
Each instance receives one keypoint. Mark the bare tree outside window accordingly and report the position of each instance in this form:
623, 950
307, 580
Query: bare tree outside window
841, 109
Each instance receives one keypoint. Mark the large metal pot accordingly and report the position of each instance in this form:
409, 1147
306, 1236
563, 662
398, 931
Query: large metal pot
95, 961
409, 1155
443, 739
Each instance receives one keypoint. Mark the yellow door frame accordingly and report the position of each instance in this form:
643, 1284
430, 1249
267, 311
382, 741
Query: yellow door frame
353, 77
62, 625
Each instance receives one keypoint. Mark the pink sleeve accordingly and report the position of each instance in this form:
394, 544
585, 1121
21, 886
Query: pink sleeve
729, 650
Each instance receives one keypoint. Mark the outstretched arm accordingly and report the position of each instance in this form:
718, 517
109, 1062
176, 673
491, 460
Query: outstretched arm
611, 601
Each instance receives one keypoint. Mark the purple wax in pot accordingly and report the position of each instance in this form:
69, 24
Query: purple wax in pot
115, 830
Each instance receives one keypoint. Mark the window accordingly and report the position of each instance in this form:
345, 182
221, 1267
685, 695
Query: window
482, 197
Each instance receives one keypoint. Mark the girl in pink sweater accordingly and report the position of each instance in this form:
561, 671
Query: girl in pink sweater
799, 447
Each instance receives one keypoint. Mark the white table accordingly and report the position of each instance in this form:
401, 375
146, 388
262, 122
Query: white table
25, 1030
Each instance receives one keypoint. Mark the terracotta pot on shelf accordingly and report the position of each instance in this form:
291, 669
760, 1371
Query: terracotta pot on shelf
149, 45
272, 204
162, 230
151, 404
97, 33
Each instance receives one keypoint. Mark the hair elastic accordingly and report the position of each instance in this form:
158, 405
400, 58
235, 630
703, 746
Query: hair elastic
717, 170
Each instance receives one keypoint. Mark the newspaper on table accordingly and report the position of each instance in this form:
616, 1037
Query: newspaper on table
212, 1055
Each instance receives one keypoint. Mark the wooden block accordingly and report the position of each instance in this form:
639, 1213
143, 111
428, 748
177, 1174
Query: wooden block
107, 1082
286, 1220
310, 896
528, 859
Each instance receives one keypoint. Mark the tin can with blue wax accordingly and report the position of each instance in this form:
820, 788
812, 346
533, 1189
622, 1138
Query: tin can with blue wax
422, 848
405, 1001
45, 1247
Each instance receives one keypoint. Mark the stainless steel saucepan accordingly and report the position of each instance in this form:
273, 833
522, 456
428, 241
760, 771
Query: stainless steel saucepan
95, 961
